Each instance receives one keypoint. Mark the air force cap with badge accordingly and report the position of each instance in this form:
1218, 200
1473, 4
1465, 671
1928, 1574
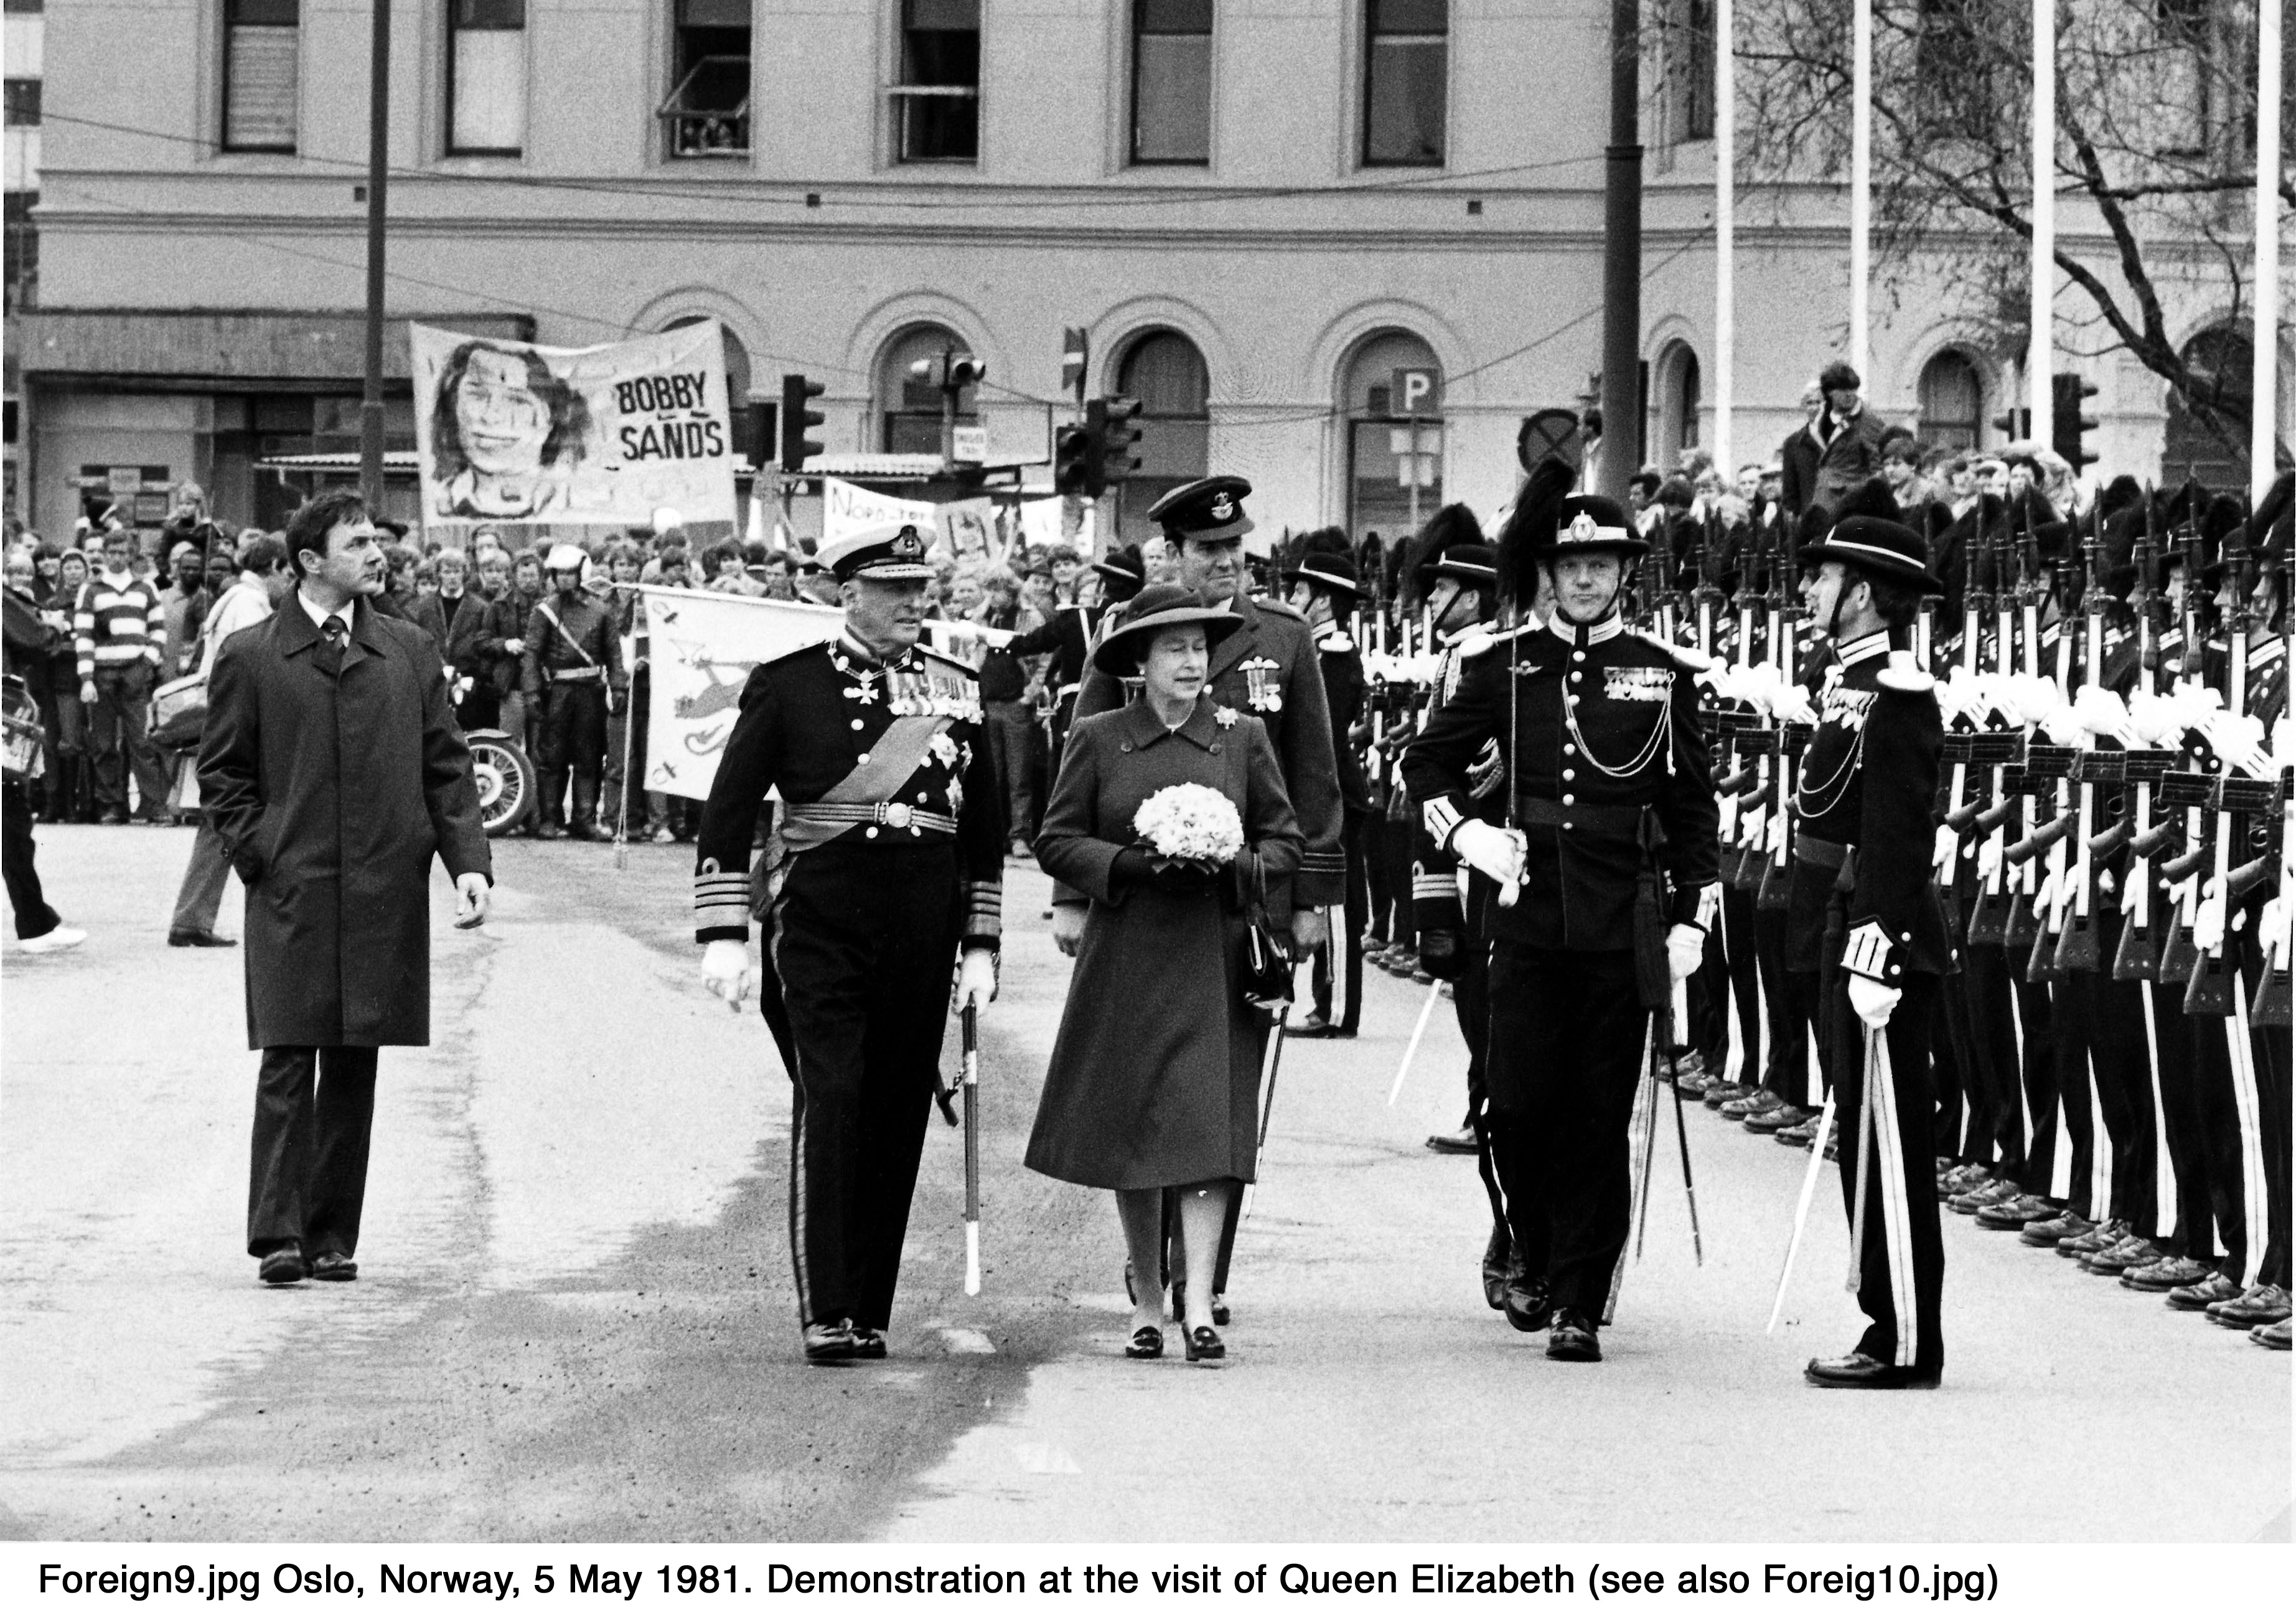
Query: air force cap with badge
1209, 509
891, 551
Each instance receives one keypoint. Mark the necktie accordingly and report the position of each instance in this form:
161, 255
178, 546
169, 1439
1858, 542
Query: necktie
331, 636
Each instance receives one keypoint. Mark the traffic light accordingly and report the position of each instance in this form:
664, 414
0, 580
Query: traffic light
1076, 354
1115, 440
2069, 428
964, 371
796, 420
2016, 425
1074, 467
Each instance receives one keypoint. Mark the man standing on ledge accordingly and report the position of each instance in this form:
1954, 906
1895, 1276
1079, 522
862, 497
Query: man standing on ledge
892, 849
332, 769
1270, 669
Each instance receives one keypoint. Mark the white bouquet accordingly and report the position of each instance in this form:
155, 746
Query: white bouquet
1191, 824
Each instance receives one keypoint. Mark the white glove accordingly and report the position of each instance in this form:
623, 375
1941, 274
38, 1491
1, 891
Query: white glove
976, 978
1686, 949
725, 971
1988, 859
1943, 849
1791, 707
2209, 919
1873, 1002
1495, 852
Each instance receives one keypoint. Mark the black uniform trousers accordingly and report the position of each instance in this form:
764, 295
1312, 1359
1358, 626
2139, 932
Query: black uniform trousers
34, 917
573, 741
1567, 1029
313, 1107
1794, 1012
1999, 1002
1347, 939
2270, 1053
2193, 1234
863, 939
1740, 962
1903, 1250
2106, 1017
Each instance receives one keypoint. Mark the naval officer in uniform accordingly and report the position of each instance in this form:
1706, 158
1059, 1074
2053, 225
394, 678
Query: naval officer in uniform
1602, 856
892, 874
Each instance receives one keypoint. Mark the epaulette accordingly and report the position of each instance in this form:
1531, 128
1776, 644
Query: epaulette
1912, 682
1337, 641
1690, 660
1483, 640
952, 665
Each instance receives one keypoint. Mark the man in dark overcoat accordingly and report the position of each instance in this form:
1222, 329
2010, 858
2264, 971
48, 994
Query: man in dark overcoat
333, 770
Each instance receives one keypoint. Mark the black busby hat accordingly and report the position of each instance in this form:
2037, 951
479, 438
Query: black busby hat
1454, 526
1160, 606
1879, 549
1326, 562
1537, 513
1209, 508
1124, 572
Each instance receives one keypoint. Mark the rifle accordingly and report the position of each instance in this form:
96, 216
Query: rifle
2078, 946
2214, 981
1996, 750
2139, 954
1789, 740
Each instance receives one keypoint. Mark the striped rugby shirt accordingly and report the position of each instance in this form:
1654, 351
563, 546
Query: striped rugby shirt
119, 621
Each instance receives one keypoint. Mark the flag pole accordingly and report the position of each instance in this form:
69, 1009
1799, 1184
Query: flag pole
1861, 182
2044, 284
1725, 235
2263, 414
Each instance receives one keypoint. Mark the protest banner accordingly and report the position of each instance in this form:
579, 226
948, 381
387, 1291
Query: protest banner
969, 529
700, 649
511, 432
847, 508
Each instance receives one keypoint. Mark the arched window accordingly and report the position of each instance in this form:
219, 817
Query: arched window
2207, 423
1952, 400
1674, 405
910, 406
1395, 446
1167, 374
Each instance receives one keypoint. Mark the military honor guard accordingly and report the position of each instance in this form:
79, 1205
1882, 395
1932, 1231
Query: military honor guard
1601, 860
890, 876
1268, 667
1863, 913
1324, 589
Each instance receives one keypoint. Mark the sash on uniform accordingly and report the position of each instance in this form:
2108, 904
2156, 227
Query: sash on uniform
893, 758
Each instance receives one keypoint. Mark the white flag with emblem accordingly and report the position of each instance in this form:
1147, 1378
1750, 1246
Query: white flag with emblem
700, 649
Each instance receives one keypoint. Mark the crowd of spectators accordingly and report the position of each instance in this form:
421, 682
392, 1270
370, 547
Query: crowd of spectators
130, 612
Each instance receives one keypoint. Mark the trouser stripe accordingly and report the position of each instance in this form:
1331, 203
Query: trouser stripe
2100, 1146
800, 1201
1897, 1213
2164, 1166
2251, 1140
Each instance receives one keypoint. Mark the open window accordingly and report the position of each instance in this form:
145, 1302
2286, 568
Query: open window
937, 105
707, 112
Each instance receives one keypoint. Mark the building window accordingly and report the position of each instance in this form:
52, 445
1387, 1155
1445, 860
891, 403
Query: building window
1395, 464
1686, 88
937, 105
1952, 77
1406, 65
1167, 374
1675, 409
486, 78
1952, 400
262, 45
23, 103
912, 408
707, 112
1172, 81
22, 255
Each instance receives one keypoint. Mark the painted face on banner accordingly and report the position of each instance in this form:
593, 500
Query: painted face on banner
503, 424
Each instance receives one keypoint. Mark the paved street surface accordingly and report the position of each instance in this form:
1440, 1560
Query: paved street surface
574, 1319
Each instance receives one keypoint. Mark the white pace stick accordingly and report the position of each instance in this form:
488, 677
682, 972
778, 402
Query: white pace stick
1802, 1208
1434, 993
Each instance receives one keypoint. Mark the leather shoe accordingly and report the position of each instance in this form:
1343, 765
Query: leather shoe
282, 1267
550, 832
2165, 1275
1314, 1028
868, 1342
333, 1266
2131, 1254
2215, 1288
2055, 1232
1779, 1117
1984, 1194
1861, 1370
1694, 1083
2015, 1213
2272, 1336
1499, 1261
198, 938
1764, 1100
1803, 1133
1573, 1336
1204, 1343
1459, 1144
1147, 1344
1526, 1304
1718, 1094
2258, 1306
831, 1341
2096, 1239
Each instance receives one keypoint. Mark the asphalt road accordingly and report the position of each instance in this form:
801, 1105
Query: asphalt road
574, 1320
